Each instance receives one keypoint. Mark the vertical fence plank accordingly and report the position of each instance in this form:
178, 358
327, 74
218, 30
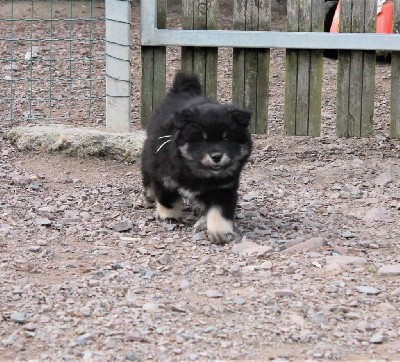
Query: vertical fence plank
356, 73
303, 84
250, 80
395, 104
153, 70
202, 15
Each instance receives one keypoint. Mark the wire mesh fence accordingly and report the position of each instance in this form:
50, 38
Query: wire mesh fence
52, 60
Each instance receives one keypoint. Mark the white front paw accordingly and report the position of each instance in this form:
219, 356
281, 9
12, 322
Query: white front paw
175, 212
219, 229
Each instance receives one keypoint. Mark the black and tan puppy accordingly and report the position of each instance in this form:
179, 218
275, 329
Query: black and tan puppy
196, 149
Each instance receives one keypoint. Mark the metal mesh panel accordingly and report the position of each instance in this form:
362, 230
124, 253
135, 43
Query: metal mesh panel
52, 60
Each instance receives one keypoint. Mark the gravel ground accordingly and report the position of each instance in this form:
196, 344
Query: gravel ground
87, 273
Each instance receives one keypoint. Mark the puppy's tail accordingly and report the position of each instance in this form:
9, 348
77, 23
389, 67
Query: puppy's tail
188, 83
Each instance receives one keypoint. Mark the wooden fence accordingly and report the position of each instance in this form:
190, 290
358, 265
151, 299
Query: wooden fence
250, 83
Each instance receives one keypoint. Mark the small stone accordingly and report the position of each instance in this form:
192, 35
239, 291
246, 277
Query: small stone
212, 293
383, 179
313, 244
240, 301
170, 227
43, 221
368, 290
93, 283
199, 236
18, 317
345, 259
249, 248
30, 326
88, 356
377, 214
316, 317
32, 54
35, 248
378, 338
133, 356
150, 307
267, 265
83, 339
285, 293
347, 234
123, 226
389, 270
249, 197
333, 268
11, 66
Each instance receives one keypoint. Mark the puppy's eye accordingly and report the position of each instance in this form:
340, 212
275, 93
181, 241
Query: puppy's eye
204, 137
225, 137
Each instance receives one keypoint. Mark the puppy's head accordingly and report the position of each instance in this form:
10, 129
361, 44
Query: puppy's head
213, 139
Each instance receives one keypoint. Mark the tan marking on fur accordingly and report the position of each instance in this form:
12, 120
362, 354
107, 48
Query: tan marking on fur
184, 152
149, 193
166, 213
217, 224
204, 135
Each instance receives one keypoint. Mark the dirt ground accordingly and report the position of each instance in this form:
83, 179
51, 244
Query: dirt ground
88, 273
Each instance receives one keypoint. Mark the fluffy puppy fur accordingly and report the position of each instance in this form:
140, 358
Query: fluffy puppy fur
196, 149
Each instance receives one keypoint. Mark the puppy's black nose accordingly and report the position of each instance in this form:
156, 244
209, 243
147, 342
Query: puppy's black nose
216, 157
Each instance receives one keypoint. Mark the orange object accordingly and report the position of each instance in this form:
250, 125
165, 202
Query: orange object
384, 20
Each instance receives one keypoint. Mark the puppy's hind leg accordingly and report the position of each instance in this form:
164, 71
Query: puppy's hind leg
148, 187
168, 203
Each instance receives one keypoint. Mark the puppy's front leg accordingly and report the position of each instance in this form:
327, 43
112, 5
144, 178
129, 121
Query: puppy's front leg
219, 227
168, 203
219, 215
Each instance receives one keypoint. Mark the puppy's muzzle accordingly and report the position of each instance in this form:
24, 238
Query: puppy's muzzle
216, 160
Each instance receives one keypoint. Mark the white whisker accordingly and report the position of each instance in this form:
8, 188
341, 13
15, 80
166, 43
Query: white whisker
170, 135
159, 148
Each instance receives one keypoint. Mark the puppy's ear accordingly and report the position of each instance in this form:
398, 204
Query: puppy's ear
183, 117
240, 116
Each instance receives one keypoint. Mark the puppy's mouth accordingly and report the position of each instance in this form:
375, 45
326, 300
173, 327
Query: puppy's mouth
218, 168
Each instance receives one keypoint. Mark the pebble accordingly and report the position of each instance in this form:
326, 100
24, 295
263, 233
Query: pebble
199, 236
266, 265
378, 338
123, 226
313, 244
347, 234
285, 293
213, 293
345, 259
35, 248
389, 270
133, 356
249, 248
43, 221
368, 290
240, 301
150, 307
18, 317
83, 339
